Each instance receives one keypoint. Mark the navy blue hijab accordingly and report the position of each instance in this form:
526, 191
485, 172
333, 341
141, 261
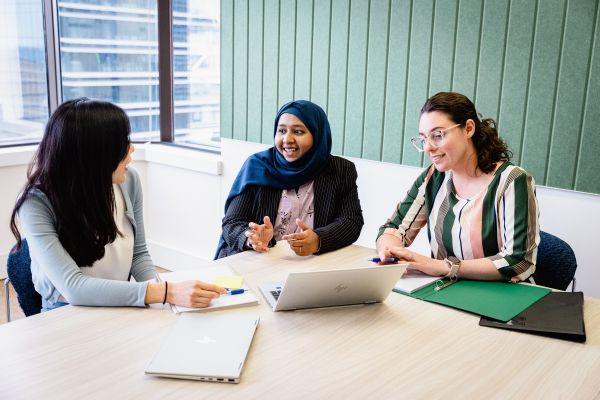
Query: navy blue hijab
269, 168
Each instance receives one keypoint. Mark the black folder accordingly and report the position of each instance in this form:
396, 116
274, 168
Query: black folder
558, 315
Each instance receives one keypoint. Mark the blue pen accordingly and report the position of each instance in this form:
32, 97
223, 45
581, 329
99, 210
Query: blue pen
235, 291
389, 259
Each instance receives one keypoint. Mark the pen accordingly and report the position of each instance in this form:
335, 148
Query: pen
389, 259
235, 291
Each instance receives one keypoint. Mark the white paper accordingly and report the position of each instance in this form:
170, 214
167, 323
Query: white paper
414, 280
209, 274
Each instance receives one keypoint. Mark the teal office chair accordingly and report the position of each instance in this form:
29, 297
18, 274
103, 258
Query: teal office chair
18, 267
556, 263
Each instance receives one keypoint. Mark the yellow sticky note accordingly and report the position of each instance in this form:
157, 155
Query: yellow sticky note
230, 281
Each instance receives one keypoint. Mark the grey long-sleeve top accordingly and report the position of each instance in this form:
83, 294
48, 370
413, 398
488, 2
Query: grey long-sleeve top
55, 273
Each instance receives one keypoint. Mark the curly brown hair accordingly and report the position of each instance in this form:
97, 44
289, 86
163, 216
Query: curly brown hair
489, 146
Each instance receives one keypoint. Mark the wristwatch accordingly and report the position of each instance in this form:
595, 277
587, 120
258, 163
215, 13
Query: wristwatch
453, 266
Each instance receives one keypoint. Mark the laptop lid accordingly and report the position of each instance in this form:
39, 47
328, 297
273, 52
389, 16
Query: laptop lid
330, 288
208, 347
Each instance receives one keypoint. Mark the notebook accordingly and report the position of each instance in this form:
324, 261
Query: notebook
413, 280
332, 287
493, 299
558, 315
210, 274
206, 347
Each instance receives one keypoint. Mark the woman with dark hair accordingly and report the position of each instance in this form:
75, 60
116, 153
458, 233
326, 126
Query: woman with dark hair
481, 211
294, 191
81, 212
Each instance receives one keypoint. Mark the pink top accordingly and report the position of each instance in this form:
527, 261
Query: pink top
294, 204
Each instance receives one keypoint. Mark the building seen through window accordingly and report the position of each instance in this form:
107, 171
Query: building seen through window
196, 66
23, 82
108, 50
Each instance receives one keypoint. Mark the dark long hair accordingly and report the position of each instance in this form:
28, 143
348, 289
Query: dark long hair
489, 146
83, 143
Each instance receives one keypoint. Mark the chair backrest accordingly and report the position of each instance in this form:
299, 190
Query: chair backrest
18, 267
556, 263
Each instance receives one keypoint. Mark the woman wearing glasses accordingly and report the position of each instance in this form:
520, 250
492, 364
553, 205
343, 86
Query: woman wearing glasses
481, 211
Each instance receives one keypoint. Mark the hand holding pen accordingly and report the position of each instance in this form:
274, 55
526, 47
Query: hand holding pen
387, 260
192, 293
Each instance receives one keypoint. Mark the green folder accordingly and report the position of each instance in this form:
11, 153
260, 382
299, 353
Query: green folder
497, 300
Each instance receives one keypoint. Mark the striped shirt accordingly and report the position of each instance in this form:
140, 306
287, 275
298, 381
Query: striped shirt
499, 223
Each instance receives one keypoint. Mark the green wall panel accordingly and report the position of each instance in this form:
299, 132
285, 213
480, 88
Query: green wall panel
572, 82
375, 94
397, 71
304, 40
226, 86
443, 46
270, 102
513, 99
587, 165
357, 69
418, 76
255, 71
319, 84
240, 70
534, 66
287, 52
491, 57
338, 72
466, 56
542, 87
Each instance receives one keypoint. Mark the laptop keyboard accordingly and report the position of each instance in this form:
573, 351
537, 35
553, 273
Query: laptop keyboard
276, 294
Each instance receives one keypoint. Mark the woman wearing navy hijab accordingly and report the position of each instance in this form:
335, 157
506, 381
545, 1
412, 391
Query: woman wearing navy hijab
294, 191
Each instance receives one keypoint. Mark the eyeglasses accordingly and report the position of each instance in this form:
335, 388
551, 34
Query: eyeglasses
435, 139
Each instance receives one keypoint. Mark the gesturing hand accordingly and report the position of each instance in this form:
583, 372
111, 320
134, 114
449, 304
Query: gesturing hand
303, 243
259, 236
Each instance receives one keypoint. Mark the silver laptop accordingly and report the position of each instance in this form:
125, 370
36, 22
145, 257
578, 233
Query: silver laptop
207, 347
332, 288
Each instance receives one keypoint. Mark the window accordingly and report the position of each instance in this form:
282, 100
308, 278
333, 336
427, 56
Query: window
23, 83
196, 71
108, 49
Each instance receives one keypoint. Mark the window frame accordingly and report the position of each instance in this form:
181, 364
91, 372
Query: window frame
165, 72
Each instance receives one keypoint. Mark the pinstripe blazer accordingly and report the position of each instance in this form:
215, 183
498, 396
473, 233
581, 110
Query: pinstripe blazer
338, 216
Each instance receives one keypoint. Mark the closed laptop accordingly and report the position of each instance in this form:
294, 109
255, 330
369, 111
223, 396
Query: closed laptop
208, 347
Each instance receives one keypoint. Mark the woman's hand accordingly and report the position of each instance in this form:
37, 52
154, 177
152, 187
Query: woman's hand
259, 236
425, 264
194, 294
384, 243
303, 243
188, 293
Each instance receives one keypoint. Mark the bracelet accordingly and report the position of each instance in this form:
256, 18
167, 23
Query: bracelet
166, 287
453, 264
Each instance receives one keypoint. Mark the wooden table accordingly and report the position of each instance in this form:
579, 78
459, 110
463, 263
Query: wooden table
402, 348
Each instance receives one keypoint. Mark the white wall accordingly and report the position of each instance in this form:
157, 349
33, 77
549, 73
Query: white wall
184, 193
13, 171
